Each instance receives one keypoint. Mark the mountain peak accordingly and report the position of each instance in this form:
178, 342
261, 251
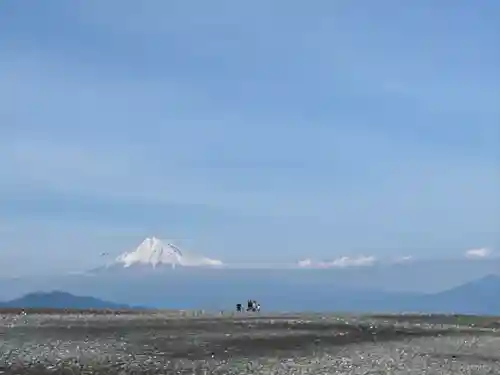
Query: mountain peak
154, 252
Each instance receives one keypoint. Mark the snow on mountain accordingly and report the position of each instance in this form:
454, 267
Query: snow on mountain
154, 252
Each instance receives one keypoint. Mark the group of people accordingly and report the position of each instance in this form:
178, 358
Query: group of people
252, 305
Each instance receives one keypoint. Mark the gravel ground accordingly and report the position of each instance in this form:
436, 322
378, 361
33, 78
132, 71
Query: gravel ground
189, 343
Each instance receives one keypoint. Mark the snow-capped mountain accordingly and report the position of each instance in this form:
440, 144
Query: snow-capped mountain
155, 252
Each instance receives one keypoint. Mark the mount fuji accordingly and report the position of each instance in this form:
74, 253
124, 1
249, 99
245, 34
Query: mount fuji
153, 253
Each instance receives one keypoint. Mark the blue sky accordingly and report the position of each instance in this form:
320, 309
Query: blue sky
254, 132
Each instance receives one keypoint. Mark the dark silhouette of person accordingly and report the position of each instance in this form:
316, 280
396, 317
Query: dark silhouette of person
238, 307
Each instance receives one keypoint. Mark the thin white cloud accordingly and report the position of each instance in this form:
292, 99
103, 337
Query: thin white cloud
305, 263
404, 259
353, 262
478, 253
342, 262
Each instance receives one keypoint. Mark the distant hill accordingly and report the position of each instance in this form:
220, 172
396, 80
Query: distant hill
481, 296
60, 300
